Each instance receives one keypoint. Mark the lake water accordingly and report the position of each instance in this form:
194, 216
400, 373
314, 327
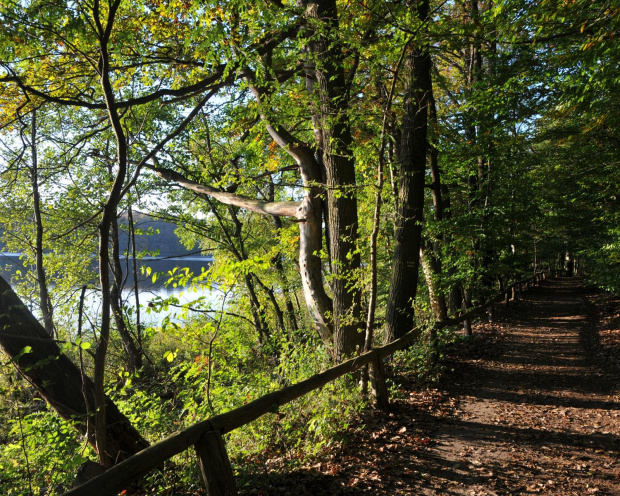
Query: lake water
149, 291
10, 263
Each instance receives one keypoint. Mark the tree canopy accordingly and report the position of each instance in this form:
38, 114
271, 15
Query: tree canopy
322, 150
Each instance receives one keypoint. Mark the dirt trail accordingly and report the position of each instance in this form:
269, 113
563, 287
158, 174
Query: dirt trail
529, 413
539, 417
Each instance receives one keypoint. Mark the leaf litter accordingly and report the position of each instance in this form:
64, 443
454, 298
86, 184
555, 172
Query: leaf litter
532, 406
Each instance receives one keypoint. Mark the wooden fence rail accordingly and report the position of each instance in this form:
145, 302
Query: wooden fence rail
206, 436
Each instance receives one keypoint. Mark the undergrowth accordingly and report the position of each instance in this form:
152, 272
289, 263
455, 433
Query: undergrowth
197, 371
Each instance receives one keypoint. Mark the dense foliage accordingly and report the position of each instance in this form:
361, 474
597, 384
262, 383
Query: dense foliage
323, 152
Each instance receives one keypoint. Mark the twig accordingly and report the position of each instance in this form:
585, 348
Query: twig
211, 341
80, 354
21, 432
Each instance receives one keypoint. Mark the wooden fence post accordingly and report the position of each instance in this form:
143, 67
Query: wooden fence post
377, 383
214, 465
467, 327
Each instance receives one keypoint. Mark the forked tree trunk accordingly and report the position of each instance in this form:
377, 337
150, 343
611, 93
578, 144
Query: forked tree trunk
307, 212
325, 81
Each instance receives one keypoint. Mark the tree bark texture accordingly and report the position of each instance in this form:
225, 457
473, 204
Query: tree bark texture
325, 80
409, 212
57, 379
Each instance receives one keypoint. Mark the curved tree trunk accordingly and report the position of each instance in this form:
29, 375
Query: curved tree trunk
108, 216
58, 379
326, 83
307, 212
45, 303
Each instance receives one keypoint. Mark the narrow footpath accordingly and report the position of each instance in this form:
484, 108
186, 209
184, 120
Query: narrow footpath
526, 410
540, 417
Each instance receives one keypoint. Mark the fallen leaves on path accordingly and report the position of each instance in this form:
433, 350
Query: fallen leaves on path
526, 410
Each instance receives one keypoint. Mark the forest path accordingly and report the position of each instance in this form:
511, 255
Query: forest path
526, 411
539, 417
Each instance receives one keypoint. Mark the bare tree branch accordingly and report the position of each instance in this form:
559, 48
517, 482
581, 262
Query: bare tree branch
288, 209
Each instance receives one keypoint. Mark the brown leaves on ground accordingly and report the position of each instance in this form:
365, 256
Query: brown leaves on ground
379, 456
604, 309
525, 411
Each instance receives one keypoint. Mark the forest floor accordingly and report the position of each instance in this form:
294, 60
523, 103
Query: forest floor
531, 406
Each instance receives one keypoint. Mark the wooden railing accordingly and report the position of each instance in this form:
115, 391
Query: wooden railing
206, 436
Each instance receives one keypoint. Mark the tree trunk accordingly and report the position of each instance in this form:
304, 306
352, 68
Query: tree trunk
58, 380
133, 357
429, 253
277, 263
45, 303
258, 315
286, 290
237, 247
326, 83
274, 302
431, 272
409, 212
108, 216
441, 203
136, 292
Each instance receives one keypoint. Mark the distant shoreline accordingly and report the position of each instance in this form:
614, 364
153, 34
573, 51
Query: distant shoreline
10, 264
192, 258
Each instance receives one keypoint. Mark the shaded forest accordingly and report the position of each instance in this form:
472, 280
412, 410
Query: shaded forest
358, 169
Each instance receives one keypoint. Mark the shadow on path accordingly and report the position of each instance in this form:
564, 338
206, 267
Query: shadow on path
529, 414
